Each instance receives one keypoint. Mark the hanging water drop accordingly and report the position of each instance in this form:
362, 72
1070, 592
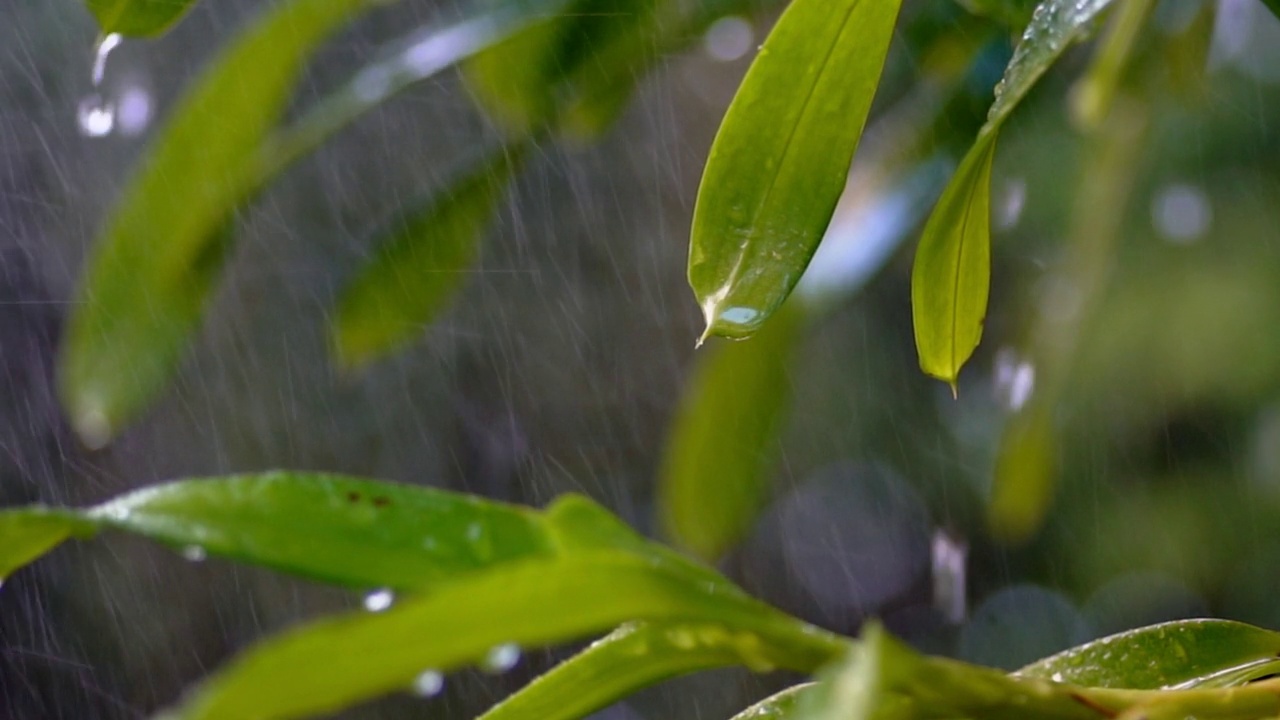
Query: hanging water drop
96, 116
428, 684
101, 51
501, 658
379, 600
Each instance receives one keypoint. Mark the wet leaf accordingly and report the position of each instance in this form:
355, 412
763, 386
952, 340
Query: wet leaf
779, 163
722, 443
1182, 654
634, 657
952, 272
852, 689
422, 260
360, 533
334, 663
951, 278
782, 706
138, 17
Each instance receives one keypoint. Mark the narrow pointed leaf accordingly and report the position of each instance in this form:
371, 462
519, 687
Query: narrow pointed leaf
360, 533
138, 17
628, 660
782, 706
421, 262
951, 278
723, 441
952, 272
1181, 654
161, 252
781, 158
335, 663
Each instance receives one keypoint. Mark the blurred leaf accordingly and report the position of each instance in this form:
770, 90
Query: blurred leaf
162, 250
1095, 93
722, 443
353, 532
421, 261
952, 274
779, 163
137, 17
513, 81
1178, 655
630, 659
1025, 474
1273, 6
852, 689
782, 706
334, 663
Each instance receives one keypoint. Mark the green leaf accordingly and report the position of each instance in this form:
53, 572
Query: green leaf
353, 532
852, 689
952, 272
952, 275
630, 659
1273, 6
723, 440
419, 265
160, 253
782, 706
138, 17
1182, 654
334, 663
779, 163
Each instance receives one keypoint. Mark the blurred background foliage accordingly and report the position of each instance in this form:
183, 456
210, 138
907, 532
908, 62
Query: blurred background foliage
1113, 457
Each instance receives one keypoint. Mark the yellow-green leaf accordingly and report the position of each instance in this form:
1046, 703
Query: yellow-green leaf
138, 17
952, 272
779, 163
951, 278
422, 260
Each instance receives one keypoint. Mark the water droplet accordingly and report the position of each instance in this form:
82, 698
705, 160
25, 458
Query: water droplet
501, 658
194, 553
379, 600
101, 51
96, 116
428, 684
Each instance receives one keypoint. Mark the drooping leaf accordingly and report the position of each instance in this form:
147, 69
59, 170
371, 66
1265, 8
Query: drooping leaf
1181, 654
723, 441
952, 273
780, 160
628, 660
349, 531
161, 251
137, 17
422, 260
951, 278
782, 706
334, 663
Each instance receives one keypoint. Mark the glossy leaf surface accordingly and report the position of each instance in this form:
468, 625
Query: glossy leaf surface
423, 259
723, 441
626, 661
354, 532
782, 706
1181, 654
951, 279
335, 663
779, 163
138, 17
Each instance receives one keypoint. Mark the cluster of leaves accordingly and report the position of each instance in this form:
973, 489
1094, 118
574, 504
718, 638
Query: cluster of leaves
472, 575
462, 565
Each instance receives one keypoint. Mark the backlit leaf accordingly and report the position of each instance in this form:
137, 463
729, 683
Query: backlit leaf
951, 279
423, 259
723, 441
137, 17
1181, 654
779, 163
334, 663
628, 660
